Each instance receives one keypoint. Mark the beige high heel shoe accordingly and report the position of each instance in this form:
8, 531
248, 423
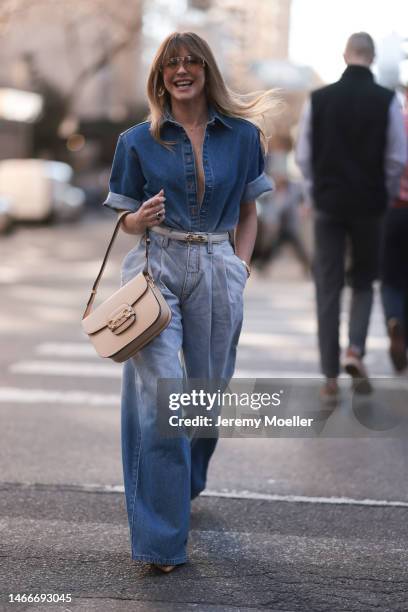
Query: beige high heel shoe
164, 568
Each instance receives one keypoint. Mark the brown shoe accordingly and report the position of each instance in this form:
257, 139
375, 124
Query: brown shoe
353, 365
330, 392
398, 347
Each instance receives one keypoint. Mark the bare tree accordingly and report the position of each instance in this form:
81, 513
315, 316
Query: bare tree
119, 25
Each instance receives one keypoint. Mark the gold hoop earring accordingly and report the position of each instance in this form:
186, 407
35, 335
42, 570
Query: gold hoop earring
161, 92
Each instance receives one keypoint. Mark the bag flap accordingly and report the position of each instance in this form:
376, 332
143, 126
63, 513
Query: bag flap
128, 294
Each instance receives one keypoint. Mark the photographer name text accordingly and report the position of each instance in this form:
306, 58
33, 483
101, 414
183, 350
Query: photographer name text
255, 422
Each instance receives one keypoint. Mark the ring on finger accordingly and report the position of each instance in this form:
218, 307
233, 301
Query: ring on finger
158, 215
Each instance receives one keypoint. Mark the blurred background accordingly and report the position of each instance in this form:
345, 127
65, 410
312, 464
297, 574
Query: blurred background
73, 75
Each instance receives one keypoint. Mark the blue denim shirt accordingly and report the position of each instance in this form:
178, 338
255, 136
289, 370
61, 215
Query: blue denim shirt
233, 164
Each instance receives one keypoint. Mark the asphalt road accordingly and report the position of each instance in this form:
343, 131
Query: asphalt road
286, 524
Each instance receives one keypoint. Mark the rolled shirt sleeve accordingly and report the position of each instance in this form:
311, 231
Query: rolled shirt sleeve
257, 181
126, 180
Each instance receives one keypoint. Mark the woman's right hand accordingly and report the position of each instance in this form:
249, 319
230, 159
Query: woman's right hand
149, 214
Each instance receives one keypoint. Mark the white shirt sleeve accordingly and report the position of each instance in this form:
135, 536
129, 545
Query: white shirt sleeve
303, 153
395, 156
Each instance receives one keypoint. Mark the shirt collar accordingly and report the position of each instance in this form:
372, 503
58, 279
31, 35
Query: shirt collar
214, 116
357, 71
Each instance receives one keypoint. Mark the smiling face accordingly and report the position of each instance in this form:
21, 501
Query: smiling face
184, 80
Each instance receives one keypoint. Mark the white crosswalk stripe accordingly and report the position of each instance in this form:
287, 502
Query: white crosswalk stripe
259, 340
15, 395
107, 370
68, 368
232, 494
66, 349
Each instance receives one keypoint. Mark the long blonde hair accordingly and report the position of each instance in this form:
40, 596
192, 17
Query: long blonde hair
255, 106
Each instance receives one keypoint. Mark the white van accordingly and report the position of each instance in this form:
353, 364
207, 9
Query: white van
39, 190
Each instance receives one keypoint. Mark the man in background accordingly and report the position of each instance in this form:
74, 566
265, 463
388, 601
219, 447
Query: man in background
351, 150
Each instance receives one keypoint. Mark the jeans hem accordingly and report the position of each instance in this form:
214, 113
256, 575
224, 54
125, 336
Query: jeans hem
149, 559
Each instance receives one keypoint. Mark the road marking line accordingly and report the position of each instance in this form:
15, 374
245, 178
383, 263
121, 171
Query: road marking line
66, 349
86, 350
111, 370
304, 499
72, 296
256, 373
67, 368
299, 341
40, 396
224, 493
295, 340
381, 381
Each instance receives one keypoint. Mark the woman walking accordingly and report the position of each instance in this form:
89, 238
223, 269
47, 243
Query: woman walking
190, 174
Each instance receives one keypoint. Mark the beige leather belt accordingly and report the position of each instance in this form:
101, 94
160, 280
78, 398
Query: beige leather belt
190, 236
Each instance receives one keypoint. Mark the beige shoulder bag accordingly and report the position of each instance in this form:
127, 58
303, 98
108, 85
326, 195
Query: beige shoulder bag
131, 317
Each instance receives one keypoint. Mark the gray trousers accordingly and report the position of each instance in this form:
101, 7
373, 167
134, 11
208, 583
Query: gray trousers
359, 238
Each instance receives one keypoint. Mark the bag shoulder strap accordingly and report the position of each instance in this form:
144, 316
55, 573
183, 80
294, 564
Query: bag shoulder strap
105, 259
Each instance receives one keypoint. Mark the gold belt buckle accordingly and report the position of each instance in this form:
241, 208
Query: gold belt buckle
195, 238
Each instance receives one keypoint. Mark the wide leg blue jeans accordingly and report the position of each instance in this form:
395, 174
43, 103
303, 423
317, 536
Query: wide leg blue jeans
203, 284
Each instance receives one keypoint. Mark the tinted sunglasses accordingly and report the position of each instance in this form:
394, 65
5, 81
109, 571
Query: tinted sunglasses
188, 61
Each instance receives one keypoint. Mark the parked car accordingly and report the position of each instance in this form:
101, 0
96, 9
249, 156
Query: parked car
5, 218
40, 190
